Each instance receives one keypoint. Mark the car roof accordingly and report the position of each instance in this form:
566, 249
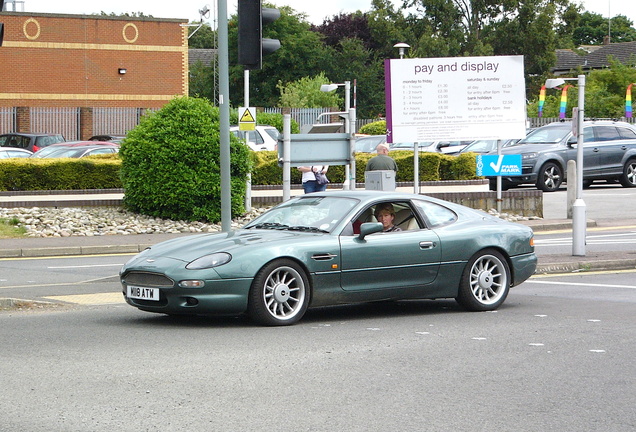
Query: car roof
83, 144
18, 149
30, 134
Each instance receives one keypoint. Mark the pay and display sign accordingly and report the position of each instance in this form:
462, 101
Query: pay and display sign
498, 165
460, 98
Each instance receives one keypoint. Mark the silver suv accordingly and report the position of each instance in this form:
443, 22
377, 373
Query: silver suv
609, 153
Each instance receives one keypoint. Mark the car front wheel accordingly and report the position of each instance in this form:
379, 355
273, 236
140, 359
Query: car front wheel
485, 282
550, 177
628, 179
279, 294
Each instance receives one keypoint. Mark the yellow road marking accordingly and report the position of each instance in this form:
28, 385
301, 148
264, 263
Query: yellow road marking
67, 256
91, 299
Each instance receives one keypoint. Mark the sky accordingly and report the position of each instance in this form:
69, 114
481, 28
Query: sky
316, 11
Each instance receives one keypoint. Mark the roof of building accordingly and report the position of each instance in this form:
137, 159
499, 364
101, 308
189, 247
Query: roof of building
204, 55
598, 58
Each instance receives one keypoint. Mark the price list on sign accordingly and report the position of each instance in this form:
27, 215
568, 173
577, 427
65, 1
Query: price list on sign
463, 98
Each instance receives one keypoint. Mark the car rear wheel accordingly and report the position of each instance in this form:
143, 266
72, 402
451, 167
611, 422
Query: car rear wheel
628, 179
550, 177
485, 282
279, 294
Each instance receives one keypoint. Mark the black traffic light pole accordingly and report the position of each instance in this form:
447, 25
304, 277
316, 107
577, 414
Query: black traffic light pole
251, 44
1, 24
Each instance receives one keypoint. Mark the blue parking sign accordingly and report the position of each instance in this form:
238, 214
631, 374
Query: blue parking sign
498, 165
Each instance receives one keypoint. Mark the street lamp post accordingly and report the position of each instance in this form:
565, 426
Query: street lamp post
347, 85
401, 46
579, 220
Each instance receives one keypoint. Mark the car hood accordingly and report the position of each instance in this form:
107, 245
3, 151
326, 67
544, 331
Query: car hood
189, 248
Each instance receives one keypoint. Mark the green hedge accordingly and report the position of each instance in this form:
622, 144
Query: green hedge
433, 167
95, 172
102, 172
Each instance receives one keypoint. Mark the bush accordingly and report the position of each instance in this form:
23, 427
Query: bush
94, 172
375, 128
171, 163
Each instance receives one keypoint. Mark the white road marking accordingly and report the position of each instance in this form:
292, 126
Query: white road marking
581, 284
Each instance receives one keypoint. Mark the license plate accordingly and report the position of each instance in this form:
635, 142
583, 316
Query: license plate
142, 293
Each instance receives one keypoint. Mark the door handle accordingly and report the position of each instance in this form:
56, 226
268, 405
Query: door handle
427, 245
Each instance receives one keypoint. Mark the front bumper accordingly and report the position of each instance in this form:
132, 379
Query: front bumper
217, 297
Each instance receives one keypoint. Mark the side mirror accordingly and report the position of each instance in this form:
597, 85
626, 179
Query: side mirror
369, 228
572, 140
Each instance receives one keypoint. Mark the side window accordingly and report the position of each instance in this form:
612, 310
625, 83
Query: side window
19, 142
257, 138
436, 214
588, 135
395, 216
626, 133
606, 133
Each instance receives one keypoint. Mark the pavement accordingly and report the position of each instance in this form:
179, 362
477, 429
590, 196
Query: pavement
111, 244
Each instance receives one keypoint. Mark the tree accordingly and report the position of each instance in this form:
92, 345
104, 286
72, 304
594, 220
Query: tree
528, 32
604, 93
594, 27
171, 166
306, 93
301, 54
201, 37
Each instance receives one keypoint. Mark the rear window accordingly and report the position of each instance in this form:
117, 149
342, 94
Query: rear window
606, 133
626, 133
45, 141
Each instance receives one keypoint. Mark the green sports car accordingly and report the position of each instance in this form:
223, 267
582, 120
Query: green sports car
335, 247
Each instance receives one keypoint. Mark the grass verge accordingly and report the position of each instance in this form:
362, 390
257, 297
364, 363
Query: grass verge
9, 228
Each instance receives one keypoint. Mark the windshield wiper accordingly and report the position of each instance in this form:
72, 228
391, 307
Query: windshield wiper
270, 225
306, 229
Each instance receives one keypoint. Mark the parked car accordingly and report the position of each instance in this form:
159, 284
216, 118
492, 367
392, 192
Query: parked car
447, 147
485, 146
327, 248
76, 149
368, 143
27, 141
263, 138
11, 152
609, 153
109, 138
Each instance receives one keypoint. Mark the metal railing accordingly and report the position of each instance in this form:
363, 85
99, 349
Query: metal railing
65, 121
8, 117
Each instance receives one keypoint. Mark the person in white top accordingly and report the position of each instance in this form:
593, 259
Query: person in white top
309, 177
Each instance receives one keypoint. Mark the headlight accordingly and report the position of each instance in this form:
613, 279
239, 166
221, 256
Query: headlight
527, 156
209, 261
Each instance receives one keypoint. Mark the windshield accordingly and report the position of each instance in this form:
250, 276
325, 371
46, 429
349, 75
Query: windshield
547, 134
368, 144
308, 213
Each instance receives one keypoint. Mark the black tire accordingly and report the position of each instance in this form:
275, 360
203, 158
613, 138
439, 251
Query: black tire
550, 177
628, 178
279, 294
485, 282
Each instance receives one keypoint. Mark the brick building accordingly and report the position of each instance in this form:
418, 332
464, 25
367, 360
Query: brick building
90, 61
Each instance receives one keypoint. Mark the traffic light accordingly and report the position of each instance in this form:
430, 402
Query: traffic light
251, 45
